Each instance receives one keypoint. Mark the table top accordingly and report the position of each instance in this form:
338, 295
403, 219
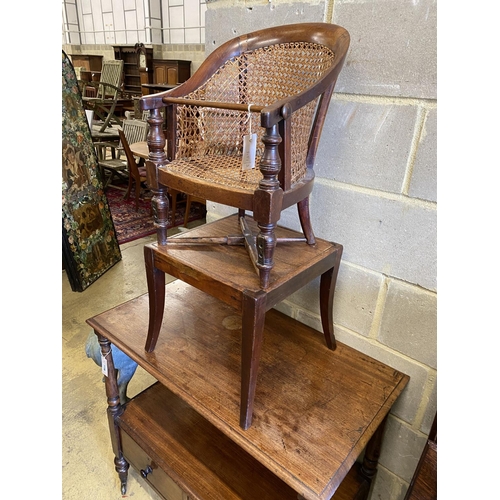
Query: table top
315, 409
140, 149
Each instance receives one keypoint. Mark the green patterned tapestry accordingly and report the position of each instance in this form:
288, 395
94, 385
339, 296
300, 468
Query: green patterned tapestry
90, 245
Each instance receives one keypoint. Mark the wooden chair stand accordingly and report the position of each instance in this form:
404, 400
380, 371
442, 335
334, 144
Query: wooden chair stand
225, 272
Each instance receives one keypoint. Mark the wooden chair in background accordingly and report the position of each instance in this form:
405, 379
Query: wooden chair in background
136, 168
122, 165
108, 91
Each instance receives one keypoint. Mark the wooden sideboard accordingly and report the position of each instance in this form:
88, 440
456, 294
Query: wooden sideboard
171, 71
92, 63
315, 410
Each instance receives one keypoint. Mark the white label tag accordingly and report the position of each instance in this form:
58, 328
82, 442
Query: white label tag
249, 151
104, 364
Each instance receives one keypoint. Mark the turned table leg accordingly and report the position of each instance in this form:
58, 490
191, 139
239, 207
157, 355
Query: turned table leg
372, 453
114, 410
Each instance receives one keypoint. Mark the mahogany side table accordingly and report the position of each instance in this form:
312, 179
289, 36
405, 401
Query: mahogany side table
315, 409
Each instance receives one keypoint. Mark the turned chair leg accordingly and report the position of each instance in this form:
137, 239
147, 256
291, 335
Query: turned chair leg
156, 292
266, 244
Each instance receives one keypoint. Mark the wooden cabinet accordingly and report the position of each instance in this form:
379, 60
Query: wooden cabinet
132, 77
171, 71
91, 63
315, 409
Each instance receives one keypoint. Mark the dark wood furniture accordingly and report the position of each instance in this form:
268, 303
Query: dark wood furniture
132, 79
141, 150
171, 71
122, 165
135, 166
423, 485
225, 272
92, 63
153, 88
278, 83
315, 411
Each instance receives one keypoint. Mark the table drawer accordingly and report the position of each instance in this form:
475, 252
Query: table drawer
157, 478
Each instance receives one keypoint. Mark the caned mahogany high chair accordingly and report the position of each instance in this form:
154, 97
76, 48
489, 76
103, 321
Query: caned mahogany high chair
259, 100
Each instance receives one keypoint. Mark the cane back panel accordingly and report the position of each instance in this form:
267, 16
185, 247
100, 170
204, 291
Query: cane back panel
209, 140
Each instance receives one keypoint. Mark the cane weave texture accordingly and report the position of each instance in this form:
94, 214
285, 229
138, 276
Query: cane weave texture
210, 140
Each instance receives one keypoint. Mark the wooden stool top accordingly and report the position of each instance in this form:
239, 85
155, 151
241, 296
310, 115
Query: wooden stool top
226, 272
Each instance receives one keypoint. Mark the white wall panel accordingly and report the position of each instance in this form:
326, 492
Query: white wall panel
98, 18
177, 36
88, 29
192, 14
107, 5
119, 22
164, 12
119, 16
192, 35
156, 31
131, 20
176, 17
86, 6
154, 9
131, 34
143, 7
71, 15
203, 9
109, 28
100, 38
168, 21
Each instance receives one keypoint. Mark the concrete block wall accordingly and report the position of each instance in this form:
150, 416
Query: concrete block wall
375, 193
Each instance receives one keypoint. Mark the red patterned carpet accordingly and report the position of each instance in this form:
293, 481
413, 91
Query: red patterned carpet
131, 225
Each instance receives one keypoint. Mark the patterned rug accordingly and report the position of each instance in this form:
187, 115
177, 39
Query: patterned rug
131, 225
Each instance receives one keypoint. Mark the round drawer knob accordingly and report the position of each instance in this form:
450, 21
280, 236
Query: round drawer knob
146, 471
